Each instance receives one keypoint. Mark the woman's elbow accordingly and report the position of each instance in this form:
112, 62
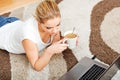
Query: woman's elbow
36, 68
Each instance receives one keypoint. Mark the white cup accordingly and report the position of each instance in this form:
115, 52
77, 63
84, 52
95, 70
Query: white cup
72, 42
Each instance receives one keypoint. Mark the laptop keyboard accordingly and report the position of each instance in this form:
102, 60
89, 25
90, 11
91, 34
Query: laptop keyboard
93, 73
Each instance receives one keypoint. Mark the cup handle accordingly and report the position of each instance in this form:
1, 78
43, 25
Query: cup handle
64, 41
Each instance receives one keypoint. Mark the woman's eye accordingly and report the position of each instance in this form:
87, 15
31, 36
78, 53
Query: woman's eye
48, 27
58, 25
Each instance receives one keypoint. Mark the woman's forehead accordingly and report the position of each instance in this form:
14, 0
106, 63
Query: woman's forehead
52, 22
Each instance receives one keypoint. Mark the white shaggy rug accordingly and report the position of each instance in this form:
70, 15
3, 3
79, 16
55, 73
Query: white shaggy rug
22, 70
110, 29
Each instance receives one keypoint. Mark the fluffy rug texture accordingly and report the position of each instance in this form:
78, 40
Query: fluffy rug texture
97, 23
105, 30
17, 67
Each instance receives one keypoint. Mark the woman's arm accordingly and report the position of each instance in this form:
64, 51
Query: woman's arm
39, 62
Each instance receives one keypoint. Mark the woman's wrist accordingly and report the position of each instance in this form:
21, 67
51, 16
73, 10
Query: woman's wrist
48, 52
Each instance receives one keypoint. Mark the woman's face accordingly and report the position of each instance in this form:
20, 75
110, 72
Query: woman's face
51, 26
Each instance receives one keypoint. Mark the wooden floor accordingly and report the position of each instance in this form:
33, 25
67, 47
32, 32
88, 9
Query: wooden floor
10, 5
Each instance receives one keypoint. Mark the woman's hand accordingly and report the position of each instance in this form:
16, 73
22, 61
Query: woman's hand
57, 47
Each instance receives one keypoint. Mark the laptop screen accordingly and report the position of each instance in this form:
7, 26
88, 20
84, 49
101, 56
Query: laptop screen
112, 70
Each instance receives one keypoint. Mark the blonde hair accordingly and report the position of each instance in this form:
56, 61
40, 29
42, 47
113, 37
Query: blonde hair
47, 9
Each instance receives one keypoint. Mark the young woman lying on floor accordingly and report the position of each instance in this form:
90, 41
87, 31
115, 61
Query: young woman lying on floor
42, 31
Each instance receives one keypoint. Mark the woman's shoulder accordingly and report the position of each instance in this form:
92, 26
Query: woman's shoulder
31, 20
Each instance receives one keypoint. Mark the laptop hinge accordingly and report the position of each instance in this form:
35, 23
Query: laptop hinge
93, 57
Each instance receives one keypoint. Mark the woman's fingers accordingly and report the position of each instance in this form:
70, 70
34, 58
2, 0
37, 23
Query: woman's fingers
60, 50
62, 41
58, 47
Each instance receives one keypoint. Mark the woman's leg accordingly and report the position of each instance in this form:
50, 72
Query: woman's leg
4, 20
11, 19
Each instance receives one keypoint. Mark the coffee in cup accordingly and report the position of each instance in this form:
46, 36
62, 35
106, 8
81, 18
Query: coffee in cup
70, 35
71, 39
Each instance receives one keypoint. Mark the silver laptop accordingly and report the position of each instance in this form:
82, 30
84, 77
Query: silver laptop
89, 69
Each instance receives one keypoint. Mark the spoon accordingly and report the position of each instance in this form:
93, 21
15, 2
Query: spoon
73, 29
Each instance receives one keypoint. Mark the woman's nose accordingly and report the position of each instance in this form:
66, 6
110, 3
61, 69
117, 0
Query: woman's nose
55, 30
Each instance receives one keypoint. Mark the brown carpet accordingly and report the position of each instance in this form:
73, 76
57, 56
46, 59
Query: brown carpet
97, 46
5, 73
69, 58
